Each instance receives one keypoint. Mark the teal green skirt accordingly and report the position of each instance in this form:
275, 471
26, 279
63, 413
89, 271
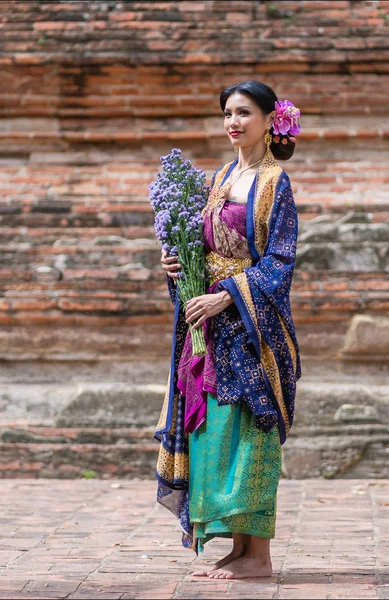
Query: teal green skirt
234, 470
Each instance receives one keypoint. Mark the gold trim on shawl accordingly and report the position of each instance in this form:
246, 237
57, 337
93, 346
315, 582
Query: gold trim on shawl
163, 415
244, 290
172, 467
269, 173
270, 366
267, 357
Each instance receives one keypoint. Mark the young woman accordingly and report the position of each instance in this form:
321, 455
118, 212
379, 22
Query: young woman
226, 416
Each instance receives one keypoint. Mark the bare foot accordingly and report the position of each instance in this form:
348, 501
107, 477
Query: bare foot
242, 568
234, 554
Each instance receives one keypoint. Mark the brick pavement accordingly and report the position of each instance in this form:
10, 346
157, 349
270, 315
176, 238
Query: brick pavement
108, 539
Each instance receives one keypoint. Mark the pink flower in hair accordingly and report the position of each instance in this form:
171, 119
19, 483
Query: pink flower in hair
287, 119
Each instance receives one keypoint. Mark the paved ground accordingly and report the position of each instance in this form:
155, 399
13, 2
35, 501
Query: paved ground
106, 539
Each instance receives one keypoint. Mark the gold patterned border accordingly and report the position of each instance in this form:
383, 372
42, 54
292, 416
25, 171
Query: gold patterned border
268, 175
270, 366
244, 290
163, 414
172, 467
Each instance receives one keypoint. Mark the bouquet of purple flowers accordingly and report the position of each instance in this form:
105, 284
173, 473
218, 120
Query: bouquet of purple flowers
178, 195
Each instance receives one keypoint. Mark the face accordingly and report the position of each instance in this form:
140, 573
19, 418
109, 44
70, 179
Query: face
244, 121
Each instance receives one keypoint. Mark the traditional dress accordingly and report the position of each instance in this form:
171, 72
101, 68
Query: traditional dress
226, 415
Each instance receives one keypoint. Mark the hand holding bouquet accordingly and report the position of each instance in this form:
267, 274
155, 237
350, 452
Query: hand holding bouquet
178, 195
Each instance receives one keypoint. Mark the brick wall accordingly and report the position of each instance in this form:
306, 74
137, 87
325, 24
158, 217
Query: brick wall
94, 92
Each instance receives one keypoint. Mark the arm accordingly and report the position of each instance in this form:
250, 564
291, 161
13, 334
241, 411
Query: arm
203, 307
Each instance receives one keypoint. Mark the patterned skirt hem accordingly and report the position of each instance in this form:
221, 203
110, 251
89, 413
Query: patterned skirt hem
232, 512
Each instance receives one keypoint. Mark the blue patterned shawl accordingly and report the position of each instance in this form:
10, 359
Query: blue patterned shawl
259, 368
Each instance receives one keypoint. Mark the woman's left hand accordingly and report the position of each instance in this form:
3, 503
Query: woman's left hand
202, 307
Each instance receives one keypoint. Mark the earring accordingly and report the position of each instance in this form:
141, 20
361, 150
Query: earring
268, 139
236, 150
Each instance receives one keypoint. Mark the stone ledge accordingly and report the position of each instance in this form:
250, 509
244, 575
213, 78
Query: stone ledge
337, 457
367, 339
20, 432
69, 461
323, 456
111, 403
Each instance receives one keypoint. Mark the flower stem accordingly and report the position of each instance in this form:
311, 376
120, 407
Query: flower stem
198, 342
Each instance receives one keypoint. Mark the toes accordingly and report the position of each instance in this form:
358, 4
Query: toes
212, 574
219, 575
199, 574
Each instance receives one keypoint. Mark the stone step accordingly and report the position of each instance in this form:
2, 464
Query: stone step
347, 454
330, 452
343, 452
63, 460
97, 419
114, 405
341, 456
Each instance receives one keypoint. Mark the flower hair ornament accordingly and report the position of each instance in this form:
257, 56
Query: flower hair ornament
286, 121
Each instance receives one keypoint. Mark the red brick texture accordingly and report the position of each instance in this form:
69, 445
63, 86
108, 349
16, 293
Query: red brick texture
94, 92
107, 539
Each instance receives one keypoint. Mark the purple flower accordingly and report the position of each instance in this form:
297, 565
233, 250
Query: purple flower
178, 196
287, 120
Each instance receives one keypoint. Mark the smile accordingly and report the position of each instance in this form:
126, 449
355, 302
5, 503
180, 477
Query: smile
236, 133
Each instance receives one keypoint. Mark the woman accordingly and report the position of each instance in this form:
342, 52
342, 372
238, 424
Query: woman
226, 416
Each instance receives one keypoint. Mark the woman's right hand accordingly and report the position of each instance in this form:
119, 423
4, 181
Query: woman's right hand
170, 265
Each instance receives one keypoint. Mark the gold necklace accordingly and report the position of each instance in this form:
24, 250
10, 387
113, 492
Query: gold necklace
219, 195
231, 183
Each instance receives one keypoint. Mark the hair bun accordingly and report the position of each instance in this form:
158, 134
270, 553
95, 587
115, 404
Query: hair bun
281, 146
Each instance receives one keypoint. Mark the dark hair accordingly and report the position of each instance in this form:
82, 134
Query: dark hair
265, 98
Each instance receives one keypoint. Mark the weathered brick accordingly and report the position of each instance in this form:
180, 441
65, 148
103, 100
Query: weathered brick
91, 305
371, 284
123, 16
89, 273
335, 286
10, 466
33, 305
118, 115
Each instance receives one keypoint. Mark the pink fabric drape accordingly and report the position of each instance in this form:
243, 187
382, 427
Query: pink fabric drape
197, 375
